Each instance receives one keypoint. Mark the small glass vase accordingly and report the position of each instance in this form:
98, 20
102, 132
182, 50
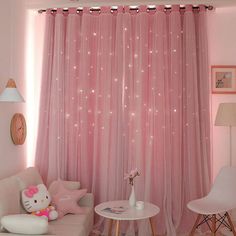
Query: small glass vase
132, 199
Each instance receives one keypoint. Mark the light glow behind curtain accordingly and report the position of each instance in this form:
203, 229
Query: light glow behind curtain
123, 90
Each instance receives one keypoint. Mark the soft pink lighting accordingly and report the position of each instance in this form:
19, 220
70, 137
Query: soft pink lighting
34, 44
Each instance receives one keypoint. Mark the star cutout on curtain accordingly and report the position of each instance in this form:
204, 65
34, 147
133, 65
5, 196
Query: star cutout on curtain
66, 201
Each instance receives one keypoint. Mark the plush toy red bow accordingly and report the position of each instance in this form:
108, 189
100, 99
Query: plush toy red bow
30, 191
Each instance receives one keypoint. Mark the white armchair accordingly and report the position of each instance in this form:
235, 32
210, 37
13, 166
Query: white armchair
215, 206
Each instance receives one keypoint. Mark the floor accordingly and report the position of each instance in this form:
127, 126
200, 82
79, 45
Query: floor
206, 234
196, 234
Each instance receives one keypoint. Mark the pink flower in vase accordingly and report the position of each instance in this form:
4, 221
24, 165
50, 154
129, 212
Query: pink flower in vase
131, 175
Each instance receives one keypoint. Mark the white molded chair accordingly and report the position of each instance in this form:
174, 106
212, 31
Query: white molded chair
215, 206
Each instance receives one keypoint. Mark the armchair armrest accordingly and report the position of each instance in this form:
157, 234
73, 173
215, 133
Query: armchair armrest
87, 200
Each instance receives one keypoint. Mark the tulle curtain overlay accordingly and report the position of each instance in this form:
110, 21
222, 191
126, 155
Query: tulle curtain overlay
124, 89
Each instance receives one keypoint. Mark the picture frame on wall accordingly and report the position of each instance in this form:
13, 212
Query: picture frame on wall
223, 79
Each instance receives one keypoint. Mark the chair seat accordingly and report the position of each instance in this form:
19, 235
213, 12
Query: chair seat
209, 206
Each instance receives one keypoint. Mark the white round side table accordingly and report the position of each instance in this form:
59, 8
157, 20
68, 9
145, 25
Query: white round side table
121, 210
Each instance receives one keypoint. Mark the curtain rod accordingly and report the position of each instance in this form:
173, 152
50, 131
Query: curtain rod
209, 7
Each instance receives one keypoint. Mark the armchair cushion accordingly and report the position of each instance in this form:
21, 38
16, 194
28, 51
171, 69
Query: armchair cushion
66, 200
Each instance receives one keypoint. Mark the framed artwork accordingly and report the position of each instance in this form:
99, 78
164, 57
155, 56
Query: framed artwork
223, 79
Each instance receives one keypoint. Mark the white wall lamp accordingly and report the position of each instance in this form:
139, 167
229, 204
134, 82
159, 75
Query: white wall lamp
18, 128
11, 93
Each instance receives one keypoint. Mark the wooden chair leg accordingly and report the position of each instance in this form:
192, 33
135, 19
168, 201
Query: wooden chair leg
195, 225
230, 223
213, 219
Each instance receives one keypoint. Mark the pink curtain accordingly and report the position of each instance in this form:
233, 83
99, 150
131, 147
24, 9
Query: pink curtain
127, 89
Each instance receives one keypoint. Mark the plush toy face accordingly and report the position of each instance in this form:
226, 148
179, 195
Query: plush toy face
35, 198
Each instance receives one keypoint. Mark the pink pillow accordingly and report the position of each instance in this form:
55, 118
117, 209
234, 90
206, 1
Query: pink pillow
66, 201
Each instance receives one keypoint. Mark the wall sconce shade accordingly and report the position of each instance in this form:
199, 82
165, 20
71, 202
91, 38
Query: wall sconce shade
226, 115
11, 93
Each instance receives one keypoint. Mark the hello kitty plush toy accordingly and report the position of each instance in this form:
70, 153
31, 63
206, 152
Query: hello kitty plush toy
36, 200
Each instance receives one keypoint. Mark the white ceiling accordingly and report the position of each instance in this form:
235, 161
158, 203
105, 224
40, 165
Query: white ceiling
42, 4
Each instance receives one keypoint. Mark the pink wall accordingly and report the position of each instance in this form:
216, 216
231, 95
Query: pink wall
12, 157
222, 51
